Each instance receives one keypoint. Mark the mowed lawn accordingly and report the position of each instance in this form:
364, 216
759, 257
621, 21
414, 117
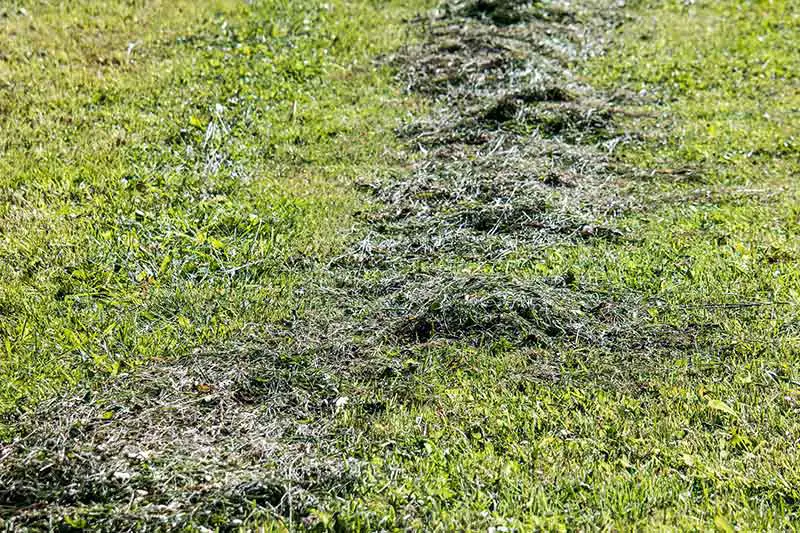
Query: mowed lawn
171, 172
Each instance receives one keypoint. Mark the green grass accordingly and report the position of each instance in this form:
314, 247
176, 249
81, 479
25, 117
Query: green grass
160, 197
163, 166
697, 427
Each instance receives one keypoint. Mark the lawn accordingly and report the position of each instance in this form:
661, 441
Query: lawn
385, 266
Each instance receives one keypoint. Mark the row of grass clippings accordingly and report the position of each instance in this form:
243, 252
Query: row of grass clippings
514, 155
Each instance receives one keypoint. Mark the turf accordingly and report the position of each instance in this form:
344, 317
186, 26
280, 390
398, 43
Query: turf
568, 300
